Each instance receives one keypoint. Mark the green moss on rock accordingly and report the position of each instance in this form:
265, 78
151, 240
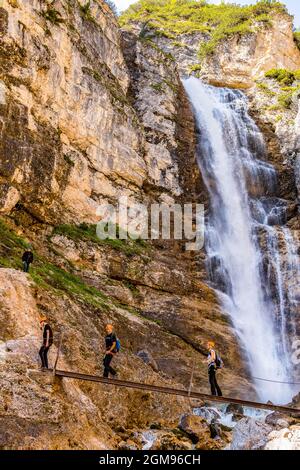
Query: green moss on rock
88, 232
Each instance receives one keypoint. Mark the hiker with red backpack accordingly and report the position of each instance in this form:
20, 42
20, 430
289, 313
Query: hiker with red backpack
112, 347
214, 362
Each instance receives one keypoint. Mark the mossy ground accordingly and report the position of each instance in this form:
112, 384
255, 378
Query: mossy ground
45, 274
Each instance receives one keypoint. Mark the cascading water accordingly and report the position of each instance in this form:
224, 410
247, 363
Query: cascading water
242, 239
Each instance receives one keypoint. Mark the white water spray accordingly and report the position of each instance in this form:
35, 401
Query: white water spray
242, 192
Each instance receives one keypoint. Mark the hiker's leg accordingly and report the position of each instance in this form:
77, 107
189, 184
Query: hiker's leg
111, 370
46, 357
219, 391
106, 366
41, 353
211, 374
25, 267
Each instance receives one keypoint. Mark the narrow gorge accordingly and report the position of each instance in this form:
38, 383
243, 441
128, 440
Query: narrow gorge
173, 102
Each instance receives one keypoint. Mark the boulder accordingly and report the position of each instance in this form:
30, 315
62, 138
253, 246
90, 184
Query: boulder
234, 408
169, 441
250, 434
284, 439
195, 427
279, 420
147, 358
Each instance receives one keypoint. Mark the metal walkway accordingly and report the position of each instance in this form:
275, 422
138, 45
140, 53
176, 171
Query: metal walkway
173, 391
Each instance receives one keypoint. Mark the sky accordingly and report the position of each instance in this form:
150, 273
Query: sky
293, 6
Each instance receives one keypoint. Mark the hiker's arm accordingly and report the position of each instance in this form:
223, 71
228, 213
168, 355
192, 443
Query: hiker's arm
112, 348
47, 339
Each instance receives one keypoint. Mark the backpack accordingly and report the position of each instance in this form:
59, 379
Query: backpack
118, 345
219, 362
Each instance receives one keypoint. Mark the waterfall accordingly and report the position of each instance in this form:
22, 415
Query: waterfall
244, 233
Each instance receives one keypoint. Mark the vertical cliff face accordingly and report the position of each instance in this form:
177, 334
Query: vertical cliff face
71, 137
87, 114
240, 60
64, 83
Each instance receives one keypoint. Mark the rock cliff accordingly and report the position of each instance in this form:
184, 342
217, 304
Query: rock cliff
89, 113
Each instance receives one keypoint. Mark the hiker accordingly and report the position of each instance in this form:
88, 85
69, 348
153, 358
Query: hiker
27, 259
213, 362
47, 341
110, 350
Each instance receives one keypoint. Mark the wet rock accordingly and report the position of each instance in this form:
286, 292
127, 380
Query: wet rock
284, 439
215, 429
207, 413
280, 420
235, 408
195, 427
249, 434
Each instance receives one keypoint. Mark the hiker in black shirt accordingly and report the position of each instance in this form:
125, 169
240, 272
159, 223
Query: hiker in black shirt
47, 341
27, 259
111, 349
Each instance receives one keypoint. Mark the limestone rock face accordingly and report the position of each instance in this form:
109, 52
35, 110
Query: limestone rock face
63, 95
160, 101
239, 60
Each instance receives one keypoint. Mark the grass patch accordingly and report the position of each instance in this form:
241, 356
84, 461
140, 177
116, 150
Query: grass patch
53, 16
45, 274
283, 76
11, 247
289, 89
285, 100
179, 44
273, 107
175, 17
157, 87
265, 89
85, 12
88, 232
195, 69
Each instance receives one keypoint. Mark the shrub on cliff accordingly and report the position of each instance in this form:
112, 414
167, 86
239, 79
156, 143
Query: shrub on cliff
289, 85
297, 38
283, 76
176, 17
